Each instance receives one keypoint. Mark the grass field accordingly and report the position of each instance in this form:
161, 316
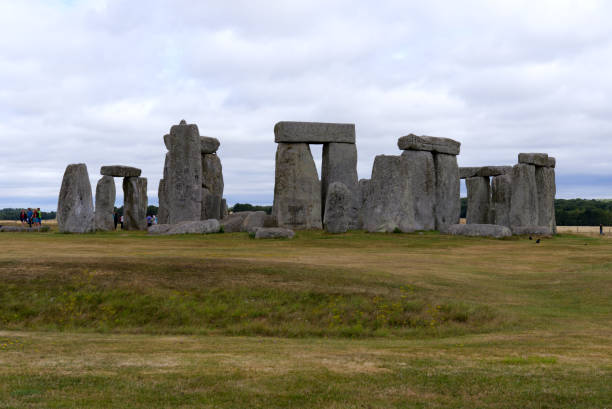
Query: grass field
357, 320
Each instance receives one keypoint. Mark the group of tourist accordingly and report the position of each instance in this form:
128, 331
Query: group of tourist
31, 217
151, 220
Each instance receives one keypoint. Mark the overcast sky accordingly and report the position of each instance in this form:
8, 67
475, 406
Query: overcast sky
101, 82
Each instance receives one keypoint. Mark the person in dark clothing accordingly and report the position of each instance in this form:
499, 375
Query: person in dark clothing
601, 229
115, 219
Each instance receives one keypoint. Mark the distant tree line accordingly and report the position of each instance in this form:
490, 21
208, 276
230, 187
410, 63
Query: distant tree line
245, 207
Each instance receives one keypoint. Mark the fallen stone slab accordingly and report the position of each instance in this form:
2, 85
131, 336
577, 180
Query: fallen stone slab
159, 228
274, 233
313, 132
468, 172
488, 171
537, 159
20, 229
120, 171
478, 230
188, 227
429, 143
532, 230
209, 145
253, 221
233, 222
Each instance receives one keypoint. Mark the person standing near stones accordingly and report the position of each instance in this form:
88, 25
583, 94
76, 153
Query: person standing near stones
121, 222
601, 229
23, 217
149, 220
115, 219
30, 215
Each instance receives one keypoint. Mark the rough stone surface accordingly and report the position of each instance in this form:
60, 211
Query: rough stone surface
159, 228
552, 162
501, 197
422, 175
547, 189
135, 203
253, 221
339, 164
274, 233
184, 181
533, 230
487, 171
297, 189
224, 209
468, 172
313, 132
209, 145
167, 141
212, 187
389, 204
120, 171
337, 208
75, 209
162, 211
429, 143
448, 195
537, 159
195, 227
105, 203
479, 230
233, 222
479, 200
524, 203
270, 221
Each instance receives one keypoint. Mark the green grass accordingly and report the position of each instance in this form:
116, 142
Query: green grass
355, 320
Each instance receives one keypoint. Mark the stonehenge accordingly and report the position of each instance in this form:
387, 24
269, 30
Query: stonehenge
75, 208
135, 203
105, 204
479, 200
338, 205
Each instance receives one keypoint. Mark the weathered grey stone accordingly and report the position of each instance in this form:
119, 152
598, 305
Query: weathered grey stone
552, 162
105, 203
233, 222
487, 171
270, 221
468, 172
184, 181
364, 189
479, 230
159, 228
120, 171
524, 203
135, 203
167, 141
422, 174
537, 159
389, 204
448, 195
339, 164
253, 221
274, 233
195, 227
479, 200
532, 230
313, 132
429, 143
224, 210
209, 145
501, 197
297, 190
337, 208
162, 211
75, 209
212, 186
547, 189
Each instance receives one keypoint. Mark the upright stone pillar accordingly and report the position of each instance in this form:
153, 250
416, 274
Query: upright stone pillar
479, 200
448, 190
524, 203
501, 199
297, 189
422, 173
162, 191
340, 165
184, 183
75, 210
105, 204
545, 182
212, 187
135, 203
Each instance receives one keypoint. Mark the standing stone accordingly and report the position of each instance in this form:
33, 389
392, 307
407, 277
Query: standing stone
297, 189
253, 221
75, 210
162, 211
135, 203
389, 203
422, 174
338, 206
339, 164
209, 145
212, 186
448, 194
545, 183
184, 182
224, 210
501, 199
479, 200
524, 203
105, 204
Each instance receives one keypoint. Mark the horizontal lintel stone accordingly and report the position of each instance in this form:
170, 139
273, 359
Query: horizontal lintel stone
429, 143
486, 171
313, 132
120, 171
468, 172
537, 159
